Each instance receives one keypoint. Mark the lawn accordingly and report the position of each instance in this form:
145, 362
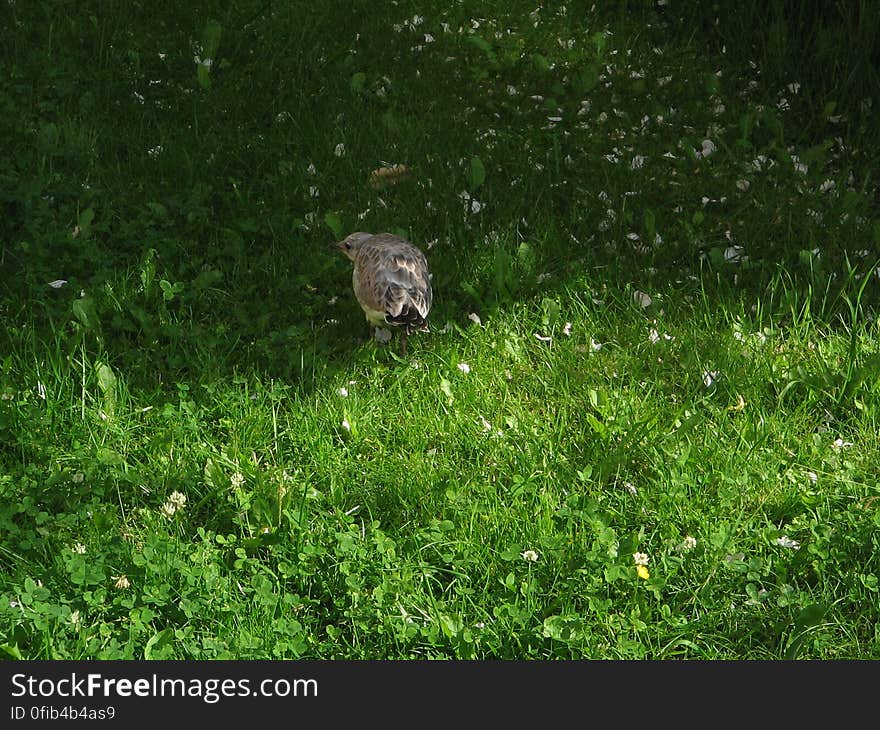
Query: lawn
645, 422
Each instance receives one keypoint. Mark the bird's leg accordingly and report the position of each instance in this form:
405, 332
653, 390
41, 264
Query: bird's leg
403, 342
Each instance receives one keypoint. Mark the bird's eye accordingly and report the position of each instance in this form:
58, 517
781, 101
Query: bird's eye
348, 246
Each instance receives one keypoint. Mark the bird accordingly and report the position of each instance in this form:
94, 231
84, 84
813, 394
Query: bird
391, 281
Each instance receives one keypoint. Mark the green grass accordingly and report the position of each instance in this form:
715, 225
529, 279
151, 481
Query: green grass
673, 354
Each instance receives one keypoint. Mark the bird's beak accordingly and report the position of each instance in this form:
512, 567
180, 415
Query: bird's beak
334, 244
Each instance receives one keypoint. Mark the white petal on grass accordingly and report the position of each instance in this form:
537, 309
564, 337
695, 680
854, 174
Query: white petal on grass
642, 299
787, 542
839, 443
475, 318
707, 148
653, 337
734, 254
827, 185
58, 283
346, 425
709, 377
542, 338
689, 543
343, 392
595, 346
464, 367
566, 330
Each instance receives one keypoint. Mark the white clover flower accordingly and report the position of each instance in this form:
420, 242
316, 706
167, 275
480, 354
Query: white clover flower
346, 425
175, 503
566, 329
78, 477
464, 367
827, 185
78, 548
640, 558
530, 556
689, 543
653, 337
75, 618
787, 542
236, 480
339, 150
743, 185
343, 391
121, 582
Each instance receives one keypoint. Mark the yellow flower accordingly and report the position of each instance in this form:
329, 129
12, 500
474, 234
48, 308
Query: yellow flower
643, 572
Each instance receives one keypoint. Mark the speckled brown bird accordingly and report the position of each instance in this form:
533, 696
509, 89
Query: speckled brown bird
391, 281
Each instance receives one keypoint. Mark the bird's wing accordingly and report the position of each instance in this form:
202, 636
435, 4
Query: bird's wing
394, 279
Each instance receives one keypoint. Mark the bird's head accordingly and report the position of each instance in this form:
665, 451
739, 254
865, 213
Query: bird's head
351, 243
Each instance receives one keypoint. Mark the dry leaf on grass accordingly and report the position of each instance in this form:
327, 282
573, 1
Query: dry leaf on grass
382, 177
